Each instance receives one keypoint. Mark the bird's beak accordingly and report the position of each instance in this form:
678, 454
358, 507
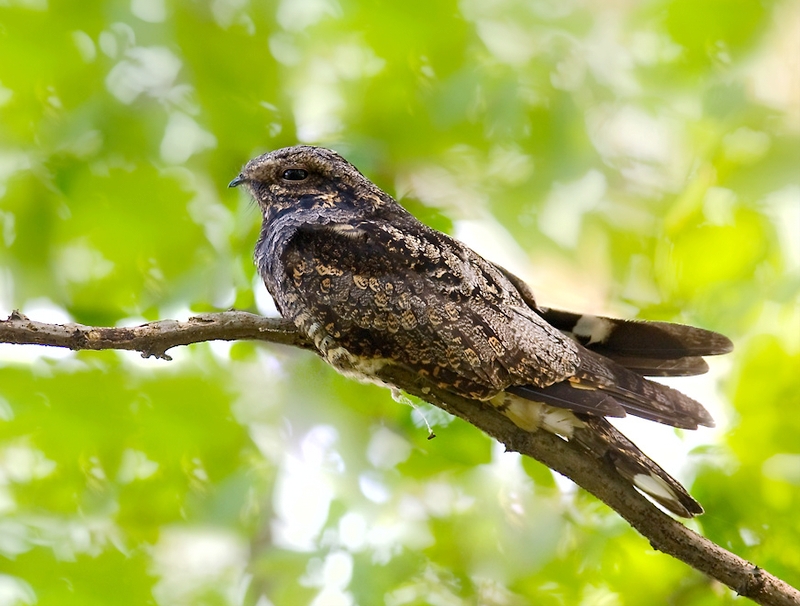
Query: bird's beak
237, 181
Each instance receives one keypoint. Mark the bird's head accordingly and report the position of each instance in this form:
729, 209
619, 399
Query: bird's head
307, 177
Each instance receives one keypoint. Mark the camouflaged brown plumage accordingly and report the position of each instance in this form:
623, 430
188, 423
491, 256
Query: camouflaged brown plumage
370, 285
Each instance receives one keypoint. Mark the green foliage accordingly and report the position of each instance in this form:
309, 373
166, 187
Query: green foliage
640, 159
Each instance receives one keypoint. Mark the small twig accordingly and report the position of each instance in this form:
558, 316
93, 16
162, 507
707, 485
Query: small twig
664, 533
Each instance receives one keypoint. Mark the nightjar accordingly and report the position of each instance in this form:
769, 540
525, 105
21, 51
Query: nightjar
370, 285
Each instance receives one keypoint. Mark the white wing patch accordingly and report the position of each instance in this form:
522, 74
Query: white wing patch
595, 329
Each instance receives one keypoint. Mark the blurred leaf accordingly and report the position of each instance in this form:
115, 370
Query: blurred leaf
639, 158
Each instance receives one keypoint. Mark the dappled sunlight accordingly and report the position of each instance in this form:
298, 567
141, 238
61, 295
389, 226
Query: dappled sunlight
650, 151
152, 11
195, 562
332, 576
632, 159
386, 449
20, 463
303, 493
561, 217
774, 76
183, 138
11, 162
145, 70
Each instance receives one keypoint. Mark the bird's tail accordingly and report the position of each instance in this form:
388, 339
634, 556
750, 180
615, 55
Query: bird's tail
652, 349
604, 441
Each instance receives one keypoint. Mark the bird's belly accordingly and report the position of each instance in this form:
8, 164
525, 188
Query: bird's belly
360, 368
355, 367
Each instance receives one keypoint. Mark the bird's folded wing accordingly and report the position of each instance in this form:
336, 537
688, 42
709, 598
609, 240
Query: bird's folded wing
649, 348
601, 383
424, 300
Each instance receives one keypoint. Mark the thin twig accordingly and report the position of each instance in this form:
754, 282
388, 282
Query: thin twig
664, 533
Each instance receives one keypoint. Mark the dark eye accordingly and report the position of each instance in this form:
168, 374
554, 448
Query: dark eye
295, 174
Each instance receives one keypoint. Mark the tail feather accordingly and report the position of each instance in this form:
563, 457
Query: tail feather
615, 357
641, 397
604, 441
659, 367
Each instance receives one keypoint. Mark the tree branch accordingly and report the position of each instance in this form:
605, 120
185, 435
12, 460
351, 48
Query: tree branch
664, 533
154, 338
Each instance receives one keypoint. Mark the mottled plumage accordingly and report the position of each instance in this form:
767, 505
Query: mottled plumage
370, 285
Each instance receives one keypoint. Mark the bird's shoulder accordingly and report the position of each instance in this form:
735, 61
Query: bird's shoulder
399, 249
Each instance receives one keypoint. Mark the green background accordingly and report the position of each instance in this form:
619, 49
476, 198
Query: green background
634, 158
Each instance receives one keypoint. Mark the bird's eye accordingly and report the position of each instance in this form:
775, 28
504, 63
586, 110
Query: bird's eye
295, 174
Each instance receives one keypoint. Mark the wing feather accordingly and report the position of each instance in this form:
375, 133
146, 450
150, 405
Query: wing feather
636, 337
470, 329
423, 299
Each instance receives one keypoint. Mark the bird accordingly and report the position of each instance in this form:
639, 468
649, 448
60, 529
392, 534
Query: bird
370, 285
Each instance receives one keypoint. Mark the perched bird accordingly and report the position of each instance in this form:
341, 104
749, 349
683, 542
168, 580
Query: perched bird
370, 285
